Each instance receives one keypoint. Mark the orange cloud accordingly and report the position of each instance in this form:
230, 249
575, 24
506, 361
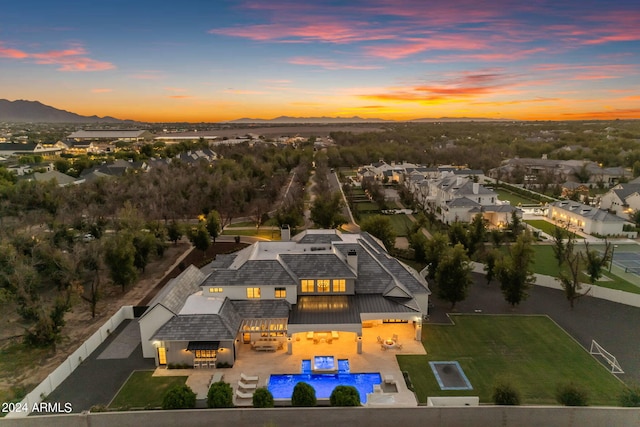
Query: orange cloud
180, 96
328, 64
73, 59
630, 113
416, 45
101, 90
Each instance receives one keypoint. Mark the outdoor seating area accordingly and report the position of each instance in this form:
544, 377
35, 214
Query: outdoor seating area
390, 343
204, 363
323, 337
247, 384
267, 344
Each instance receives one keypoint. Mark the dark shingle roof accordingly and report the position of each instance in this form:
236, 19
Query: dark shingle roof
380, 304
317, 265
195, 327
252, 272
175, 293
372, 278
262, 309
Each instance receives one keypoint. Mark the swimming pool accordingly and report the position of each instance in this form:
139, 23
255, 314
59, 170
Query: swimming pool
281, 386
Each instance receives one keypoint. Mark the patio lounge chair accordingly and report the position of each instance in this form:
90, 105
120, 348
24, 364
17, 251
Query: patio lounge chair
395, 337
248, 378
246, 386
244, 395
379, 340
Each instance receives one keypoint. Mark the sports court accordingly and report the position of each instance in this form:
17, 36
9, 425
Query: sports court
628, 261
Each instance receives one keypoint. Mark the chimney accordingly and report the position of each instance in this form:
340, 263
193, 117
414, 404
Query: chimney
352, 260
285, 233
476, 188
458, 181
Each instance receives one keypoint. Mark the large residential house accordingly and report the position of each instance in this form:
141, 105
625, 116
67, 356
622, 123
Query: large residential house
320, 285
453, 197
588, 219
622, 200
534, 171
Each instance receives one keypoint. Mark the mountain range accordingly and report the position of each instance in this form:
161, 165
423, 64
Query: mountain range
21, 111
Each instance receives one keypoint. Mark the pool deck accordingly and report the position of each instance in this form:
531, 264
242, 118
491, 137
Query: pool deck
263, 364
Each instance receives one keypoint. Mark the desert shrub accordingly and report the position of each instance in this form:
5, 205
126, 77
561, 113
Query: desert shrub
262, 398
345, 395
179, 397
505, 394
630, 397
220, 395
571, 395
303, 395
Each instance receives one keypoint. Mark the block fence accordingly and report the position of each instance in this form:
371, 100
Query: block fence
74, 360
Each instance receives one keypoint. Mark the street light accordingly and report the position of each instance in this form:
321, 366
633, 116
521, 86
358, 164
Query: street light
612, 252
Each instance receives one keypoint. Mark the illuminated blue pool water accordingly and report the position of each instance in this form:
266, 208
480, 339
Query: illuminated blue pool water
343, 366
281, 386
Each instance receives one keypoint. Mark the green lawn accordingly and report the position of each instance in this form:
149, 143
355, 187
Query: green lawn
401, 224
514, 199
545, 263
142, 390
264, 233
531, 351
367, 206
548, 227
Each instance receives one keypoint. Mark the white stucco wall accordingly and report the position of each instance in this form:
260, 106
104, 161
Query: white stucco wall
151, 321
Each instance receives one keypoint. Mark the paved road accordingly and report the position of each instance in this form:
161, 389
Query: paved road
614, 326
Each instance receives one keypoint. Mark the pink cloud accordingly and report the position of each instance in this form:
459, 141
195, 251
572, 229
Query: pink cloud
72, 59
465, 86
328, 64
147, 75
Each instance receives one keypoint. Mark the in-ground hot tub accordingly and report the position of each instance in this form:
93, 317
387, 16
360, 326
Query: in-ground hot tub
324, 364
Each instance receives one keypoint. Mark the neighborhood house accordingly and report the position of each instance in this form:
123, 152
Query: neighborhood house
320, 285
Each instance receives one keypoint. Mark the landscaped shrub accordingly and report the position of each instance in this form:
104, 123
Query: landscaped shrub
220, 395
571, 395
179, 397
630, 397
505, 394
345, 395
303, 395
262, 398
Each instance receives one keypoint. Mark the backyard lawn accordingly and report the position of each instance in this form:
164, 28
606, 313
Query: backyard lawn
142, 390
514, 199
548, 227
531, 351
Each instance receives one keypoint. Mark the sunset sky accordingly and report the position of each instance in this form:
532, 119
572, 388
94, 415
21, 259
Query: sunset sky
220, 60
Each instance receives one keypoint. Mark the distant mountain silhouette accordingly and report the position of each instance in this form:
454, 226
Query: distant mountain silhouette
460, 119
287, 119
36, 112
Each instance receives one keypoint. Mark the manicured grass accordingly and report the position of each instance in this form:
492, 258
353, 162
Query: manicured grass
367, 206
142, 390
545, 263
514, 199
266, 234
401, 224
531, 351
548, 227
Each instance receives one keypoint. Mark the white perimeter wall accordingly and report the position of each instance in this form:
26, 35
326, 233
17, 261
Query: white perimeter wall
77, 357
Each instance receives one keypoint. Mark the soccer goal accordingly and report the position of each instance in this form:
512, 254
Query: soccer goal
608, 357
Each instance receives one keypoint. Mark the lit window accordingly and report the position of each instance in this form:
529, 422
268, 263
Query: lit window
253, 292
215, 290
339, 285
307, 285
281, 292
323, 285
